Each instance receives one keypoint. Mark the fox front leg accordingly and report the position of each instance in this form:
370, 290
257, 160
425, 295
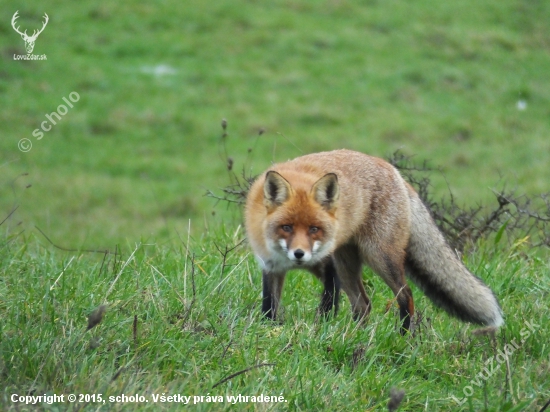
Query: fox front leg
331, 293
272, 290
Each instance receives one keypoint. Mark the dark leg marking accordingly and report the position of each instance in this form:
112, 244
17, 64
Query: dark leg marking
331, 293
403, 293
267, 300
405, 316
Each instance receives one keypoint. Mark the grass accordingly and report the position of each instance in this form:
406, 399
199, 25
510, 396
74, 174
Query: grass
179, 322
126, 169
138, 150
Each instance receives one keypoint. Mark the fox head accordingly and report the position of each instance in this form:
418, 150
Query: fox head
300, 224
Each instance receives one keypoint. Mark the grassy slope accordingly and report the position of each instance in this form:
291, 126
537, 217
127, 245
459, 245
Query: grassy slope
318, 365
134, 155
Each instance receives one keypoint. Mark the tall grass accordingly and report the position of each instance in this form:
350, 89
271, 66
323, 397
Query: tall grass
184, 320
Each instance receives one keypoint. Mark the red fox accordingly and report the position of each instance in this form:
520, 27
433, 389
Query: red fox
332, 212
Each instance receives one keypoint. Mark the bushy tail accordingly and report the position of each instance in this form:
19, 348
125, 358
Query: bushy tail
434, 267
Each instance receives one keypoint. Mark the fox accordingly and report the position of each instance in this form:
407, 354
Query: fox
331, 213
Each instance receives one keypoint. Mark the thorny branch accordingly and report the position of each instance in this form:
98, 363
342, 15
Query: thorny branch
517, 216
236, 192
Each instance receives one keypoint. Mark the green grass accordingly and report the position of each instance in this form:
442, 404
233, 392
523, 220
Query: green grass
136, 153
159, 336
129, 163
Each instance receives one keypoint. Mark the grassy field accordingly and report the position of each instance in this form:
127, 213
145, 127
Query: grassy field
179, 323
464, 85
135, 154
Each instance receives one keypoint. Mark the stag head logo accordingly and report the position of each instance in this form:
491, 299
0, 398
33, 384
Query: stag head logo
29, 40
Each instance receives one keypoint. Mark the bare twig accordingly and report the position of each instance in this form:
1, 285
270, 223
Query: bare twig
74, 250
235, 192
225, 253
9, 215
261, 365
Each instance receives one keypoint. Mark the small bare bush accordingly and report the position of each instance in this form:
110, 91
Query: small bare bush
511, 214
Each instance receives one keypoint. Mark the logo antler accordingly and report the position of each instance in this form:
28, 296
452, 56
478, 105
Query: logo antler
29, 40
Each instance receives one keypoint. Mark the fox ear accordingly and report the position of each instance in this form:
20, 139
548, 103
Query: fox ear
276, 189
326, 191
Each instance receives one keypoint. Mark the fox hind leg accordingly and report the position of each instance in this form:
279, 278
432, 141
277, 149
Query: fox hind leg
348, 266
390, 266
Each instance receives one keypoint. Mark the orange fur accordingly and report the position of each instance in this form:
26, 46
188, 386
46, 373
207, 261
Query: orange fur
333, 212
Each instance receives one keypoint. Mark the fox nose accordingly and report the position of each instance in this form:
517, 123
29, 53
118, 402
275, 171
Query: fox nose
299, 253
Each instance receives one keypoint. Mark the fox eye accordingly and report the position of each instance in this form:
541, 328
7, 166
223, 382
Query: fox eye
287, 228
313, 229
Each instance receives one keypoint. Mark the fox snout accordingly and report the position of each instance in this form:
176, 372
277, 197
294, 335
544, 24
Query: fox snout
298, 254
